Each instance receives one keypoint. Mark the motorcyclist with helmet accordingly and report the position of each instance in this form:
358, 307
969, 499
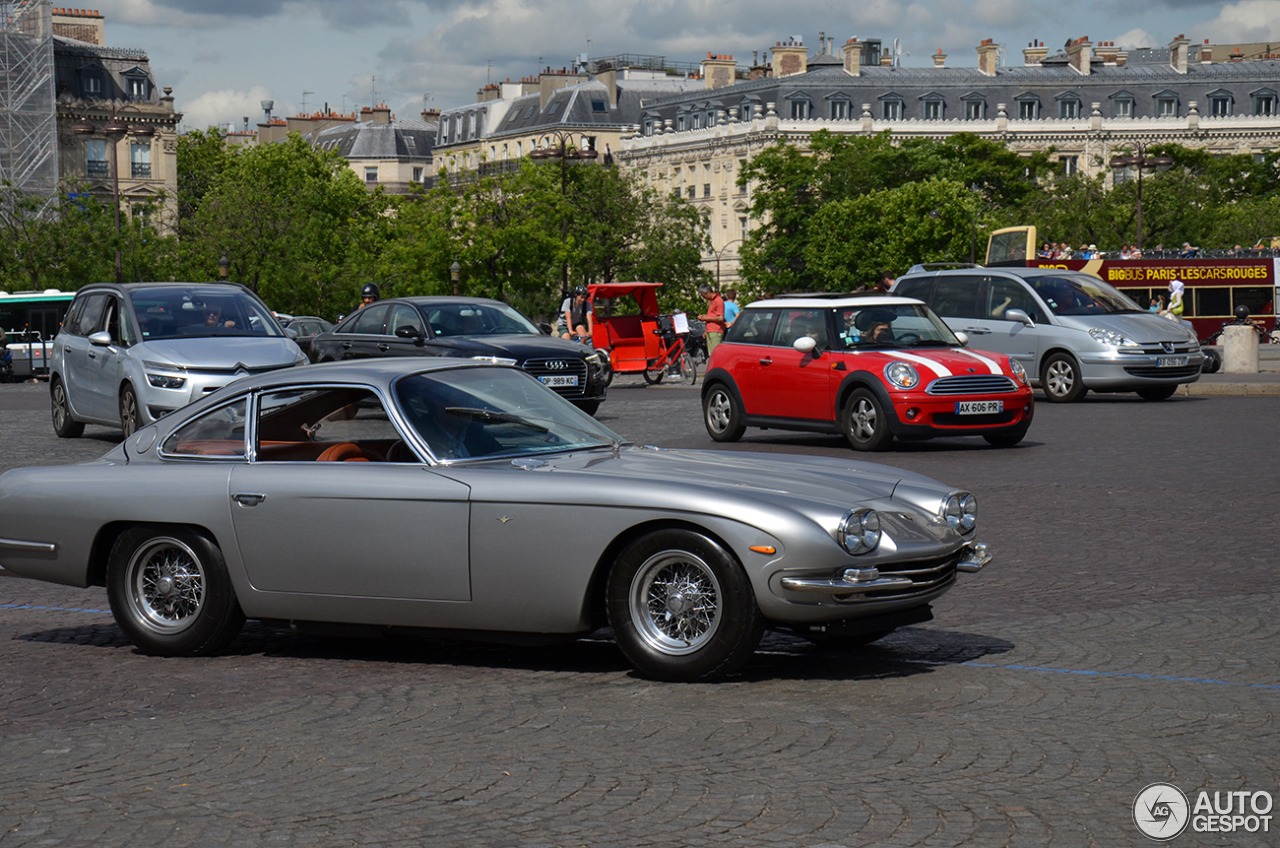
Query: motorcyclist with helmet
577, 318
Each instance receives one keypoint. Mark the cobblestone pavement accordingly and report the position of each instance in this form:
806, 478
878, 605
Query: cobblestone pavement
1126, 634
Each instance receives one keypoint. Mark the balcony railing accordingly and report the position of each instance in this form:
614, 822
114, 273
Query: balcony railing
140, 170
98, 168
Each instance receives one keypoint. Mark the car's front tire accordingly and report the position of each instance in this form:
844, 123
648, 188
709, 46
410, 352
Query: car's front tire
721, 415
64, 425
130, 414
1060, 379
681, 607
170, 592
864, 422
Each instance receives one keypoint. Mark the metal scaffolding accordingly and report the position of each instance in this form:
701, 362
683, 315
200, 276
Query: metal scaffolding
28, 115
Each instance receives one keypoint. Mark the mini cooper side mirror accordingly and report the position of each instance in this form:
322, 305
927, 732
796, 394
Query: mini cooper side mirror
410, 332
1019, 316
962, 337
807, 344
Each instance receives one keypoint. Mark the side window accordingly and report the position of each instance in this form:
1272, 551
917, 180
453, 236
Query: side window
219, 432
341, 424
112, 322
1004, 294
795, 323
957, 296
404, 316
752, 326
917, 288
90, 317
370, 320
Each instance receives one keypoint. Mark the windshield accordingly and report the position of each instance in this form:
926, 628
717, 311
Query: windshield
475, 319
1080, 294
903, 325
494, 412
201, 311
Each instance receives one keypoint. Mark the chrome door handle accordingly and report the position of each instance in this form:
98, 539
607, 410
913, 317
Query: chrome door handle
766, 362
346, 345
384, 347
977, 331
248, 498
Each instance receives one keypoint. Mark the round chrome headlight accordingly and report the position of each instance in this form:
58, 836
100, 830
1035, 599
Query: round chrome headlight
860, 530
1018, 371
960, 510
902, 375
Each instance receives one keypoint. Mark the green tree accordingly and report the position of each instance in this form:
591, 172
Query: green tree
203, 157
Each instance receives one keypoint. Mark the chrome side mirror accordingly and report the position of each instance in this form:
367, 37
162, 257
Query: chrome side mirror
962, 337
1020, 316
807, 344
100, 339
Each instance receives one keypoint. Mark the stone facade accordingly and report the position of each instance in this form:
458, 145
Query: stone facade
1088, 103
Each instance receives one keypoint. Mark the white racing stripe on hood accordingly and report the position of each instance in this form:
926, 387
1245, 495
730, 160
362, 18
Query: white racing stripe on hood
990, 363
936, 367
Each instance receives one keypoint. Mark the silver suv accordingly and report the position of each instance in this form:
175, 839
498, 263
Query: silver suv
128, 354
1071, 332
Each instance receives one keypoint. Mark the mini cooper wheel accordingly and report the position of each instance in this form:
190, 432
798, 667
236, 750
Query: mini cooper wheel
170, 592
1060, 379
721, 415
130, 417
681, 607
864, 422
64, 425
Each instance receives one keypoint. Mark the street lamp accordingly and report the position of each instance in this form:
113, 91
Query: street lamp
564, 151
717, 255
114, 130
455, 273
1140, 161
224, 268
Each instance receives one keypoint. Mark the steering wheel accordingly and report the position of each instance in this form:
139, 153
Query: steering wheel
345, 452
908, 338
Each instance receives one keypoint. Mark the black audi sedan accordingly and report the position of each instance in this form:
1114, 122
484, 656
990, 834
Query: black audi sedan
466, 327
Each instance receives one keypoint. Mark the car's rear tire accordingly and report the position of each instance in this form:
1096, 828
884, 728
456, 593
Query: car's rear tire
64, 425
682, 608
1060, 379
721, 415
170, 592
130, 414
1007, 439
1157, 392
864, 422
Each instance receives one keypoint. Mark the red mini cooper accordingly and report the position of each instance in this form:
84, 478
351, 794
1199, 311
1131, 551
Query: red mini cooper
869, 366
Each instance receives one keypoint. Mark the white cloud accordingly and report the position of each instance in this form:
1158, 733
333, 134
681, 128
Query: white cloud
217, 108
1248, 20
1136, 38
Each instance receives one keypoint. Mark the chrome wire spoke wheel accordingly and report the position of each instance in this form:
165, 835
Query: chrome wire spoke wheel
718, 411
166, 586
863, 420
676, 602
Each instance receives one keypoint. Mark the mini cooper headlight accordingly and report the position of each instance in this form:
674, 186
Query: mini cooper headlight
860, 530
1109, 337
902, 375
1018, 371
960, 511
495, 360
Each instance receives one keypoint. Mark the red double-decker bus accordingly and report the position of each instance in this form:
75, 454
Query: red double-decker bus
1215, 286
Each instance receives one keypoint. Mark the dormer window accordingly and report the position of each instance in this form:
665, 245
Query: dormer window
891, 107
932, 107
599, 106
1068, 107
975, 107
91, 85
1028, 107
1264, 102
1220, 104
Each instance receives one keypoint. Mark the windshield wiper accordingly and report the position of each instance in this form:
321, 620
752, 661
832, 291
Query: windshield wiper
490, 415
932, 343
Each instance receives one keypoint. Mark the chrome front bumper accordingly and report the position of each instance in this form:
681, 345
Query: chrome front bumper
856, 581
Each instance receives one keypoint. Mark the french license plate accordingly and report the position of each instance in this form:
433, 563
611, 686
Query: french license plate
558, 380
1171, 361
979, 407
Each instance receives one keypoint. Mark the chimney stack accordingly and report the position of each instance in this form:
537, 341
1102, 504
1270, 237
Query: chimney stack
789, 58
1034, 53
719, 71
988, 57
939, 59
1080, 54
1178, 52
852, 54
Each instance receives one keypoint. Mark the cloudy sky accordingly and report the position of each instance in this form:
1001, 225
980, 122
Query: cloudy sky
224, 56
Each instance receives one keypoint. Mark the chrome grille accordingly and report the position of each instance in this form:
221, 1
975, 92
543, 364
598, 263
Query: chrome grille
971, 384
561, 366
1161, 350
927, 575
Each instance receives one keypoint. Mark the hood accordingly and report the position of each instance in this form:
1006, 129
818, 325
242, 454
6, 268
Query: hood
1142, 328
221, 353
514, 346
941, 361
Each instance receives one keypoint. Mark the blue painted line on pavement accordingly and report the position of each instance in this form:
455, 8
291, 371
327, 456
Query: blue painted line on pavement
53, 609
1131, 674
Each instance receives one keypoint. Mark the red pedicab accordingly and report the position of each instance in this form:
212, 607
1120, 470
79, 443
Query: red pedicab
645, 342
